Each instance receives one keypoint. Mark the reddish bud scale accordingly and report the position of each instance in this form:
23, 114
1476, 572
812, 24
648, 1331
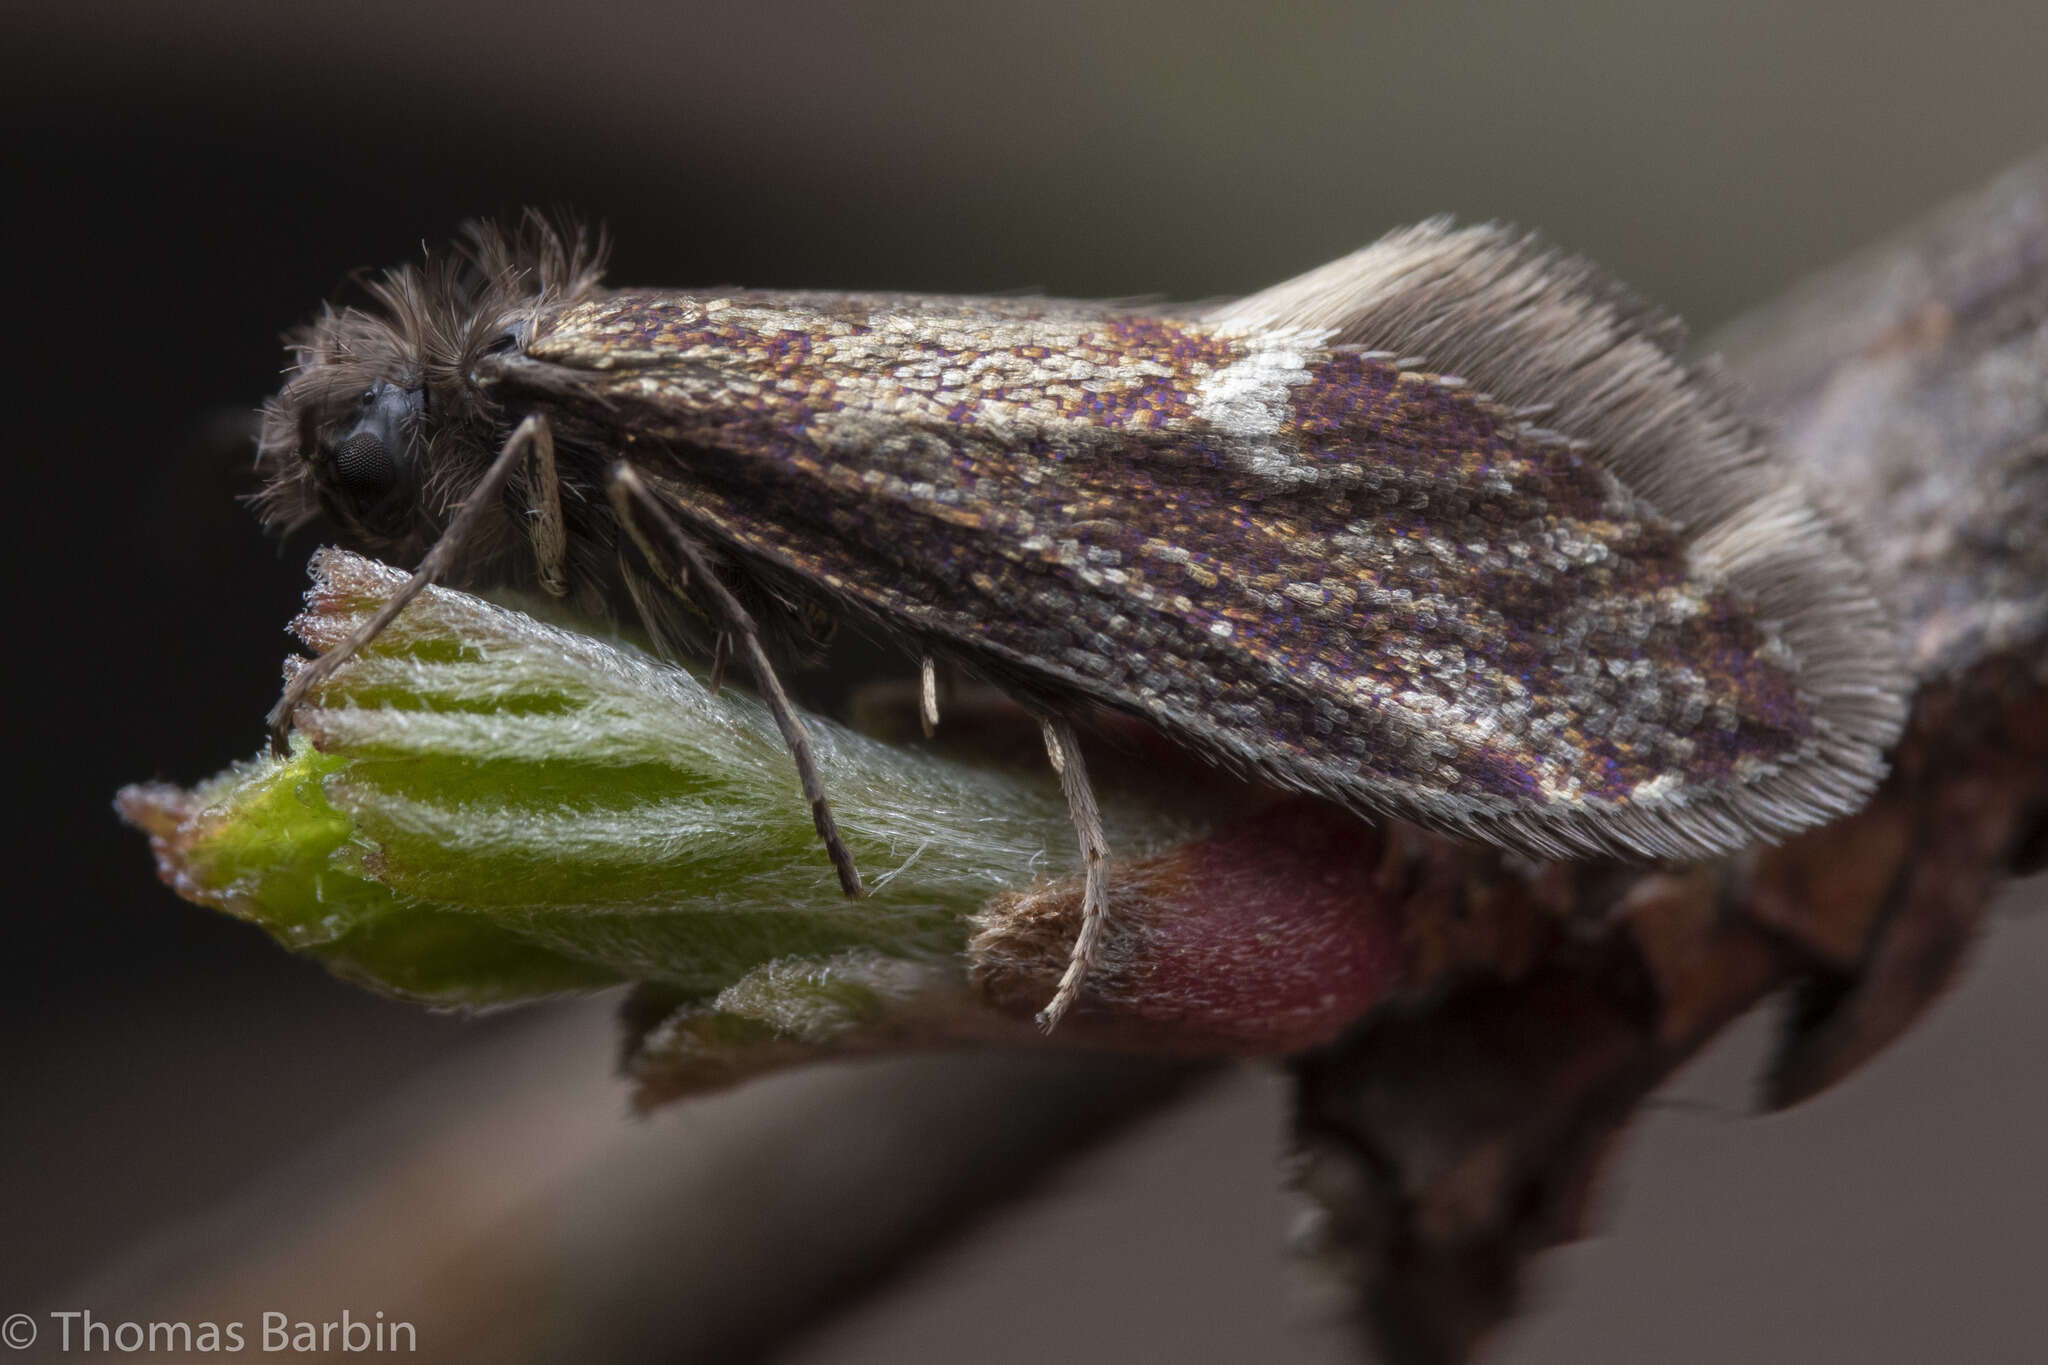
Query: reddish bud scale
1265, 938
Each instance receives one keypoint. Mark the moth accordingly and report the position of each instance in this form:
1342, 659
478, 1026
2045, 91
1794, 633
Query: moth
1445, 530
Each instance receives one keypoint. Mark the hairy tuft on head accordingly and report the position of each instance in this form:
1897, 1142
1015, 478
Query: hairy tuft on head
420, 327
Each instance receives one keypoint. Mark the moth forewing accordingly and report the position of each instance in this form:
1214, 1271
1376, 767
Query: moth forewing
1444, 530
1267, 535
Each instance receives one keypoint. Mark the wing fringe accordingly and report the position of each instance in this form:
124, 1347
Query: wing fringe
1531, 327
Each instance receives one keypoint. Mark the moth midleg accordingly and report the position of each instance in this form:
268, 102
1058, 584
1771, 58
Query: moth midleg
544, 526
1064, 749
632, 499
928, 695
481, 499
721, 655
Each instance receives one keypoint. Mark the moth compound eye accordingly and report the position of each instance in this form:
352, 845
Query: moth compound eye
365, 466
369, 460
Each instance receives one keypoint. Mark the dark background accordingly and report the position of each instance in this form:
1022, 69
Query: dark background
186, 182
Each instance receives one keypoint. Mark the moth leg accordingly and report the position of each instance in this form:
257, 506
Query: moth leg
928, 696
545, 527
1064, 750
721, 655
489, 489
632, 499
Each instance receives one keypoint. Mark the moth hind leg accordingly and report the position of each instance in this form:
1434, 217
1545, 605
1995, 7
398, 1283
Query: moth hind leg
530, 435
1064, 749
661, 538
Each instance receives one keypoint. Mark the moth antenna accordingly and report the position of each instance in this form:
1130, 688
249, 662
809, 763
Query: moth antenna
630, 494
928, 695
487, 492
1064, 749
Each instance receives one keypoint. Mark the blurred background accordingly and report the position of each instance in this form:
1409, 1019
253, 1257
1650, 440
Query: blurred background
186, 182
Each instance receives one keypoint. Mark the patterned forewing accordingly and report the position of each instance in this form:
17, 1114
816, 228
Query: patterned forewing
1357, 579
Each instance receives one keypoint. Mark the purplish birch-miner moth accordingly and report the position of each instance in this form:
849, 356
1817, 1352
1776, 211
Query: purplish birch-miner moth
1444, 530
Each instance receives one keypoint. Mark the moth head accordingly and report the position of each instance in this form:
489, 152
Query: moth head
382, 427
366, 462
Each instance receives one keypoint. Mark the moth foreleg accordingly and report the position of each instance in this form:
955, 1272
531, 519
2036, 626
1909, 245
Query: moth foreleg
1064, 750
633, 501
544, 526
489, 489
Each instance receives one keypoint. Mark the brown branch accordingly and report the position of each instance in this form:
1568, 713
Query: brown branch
1451, 1137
